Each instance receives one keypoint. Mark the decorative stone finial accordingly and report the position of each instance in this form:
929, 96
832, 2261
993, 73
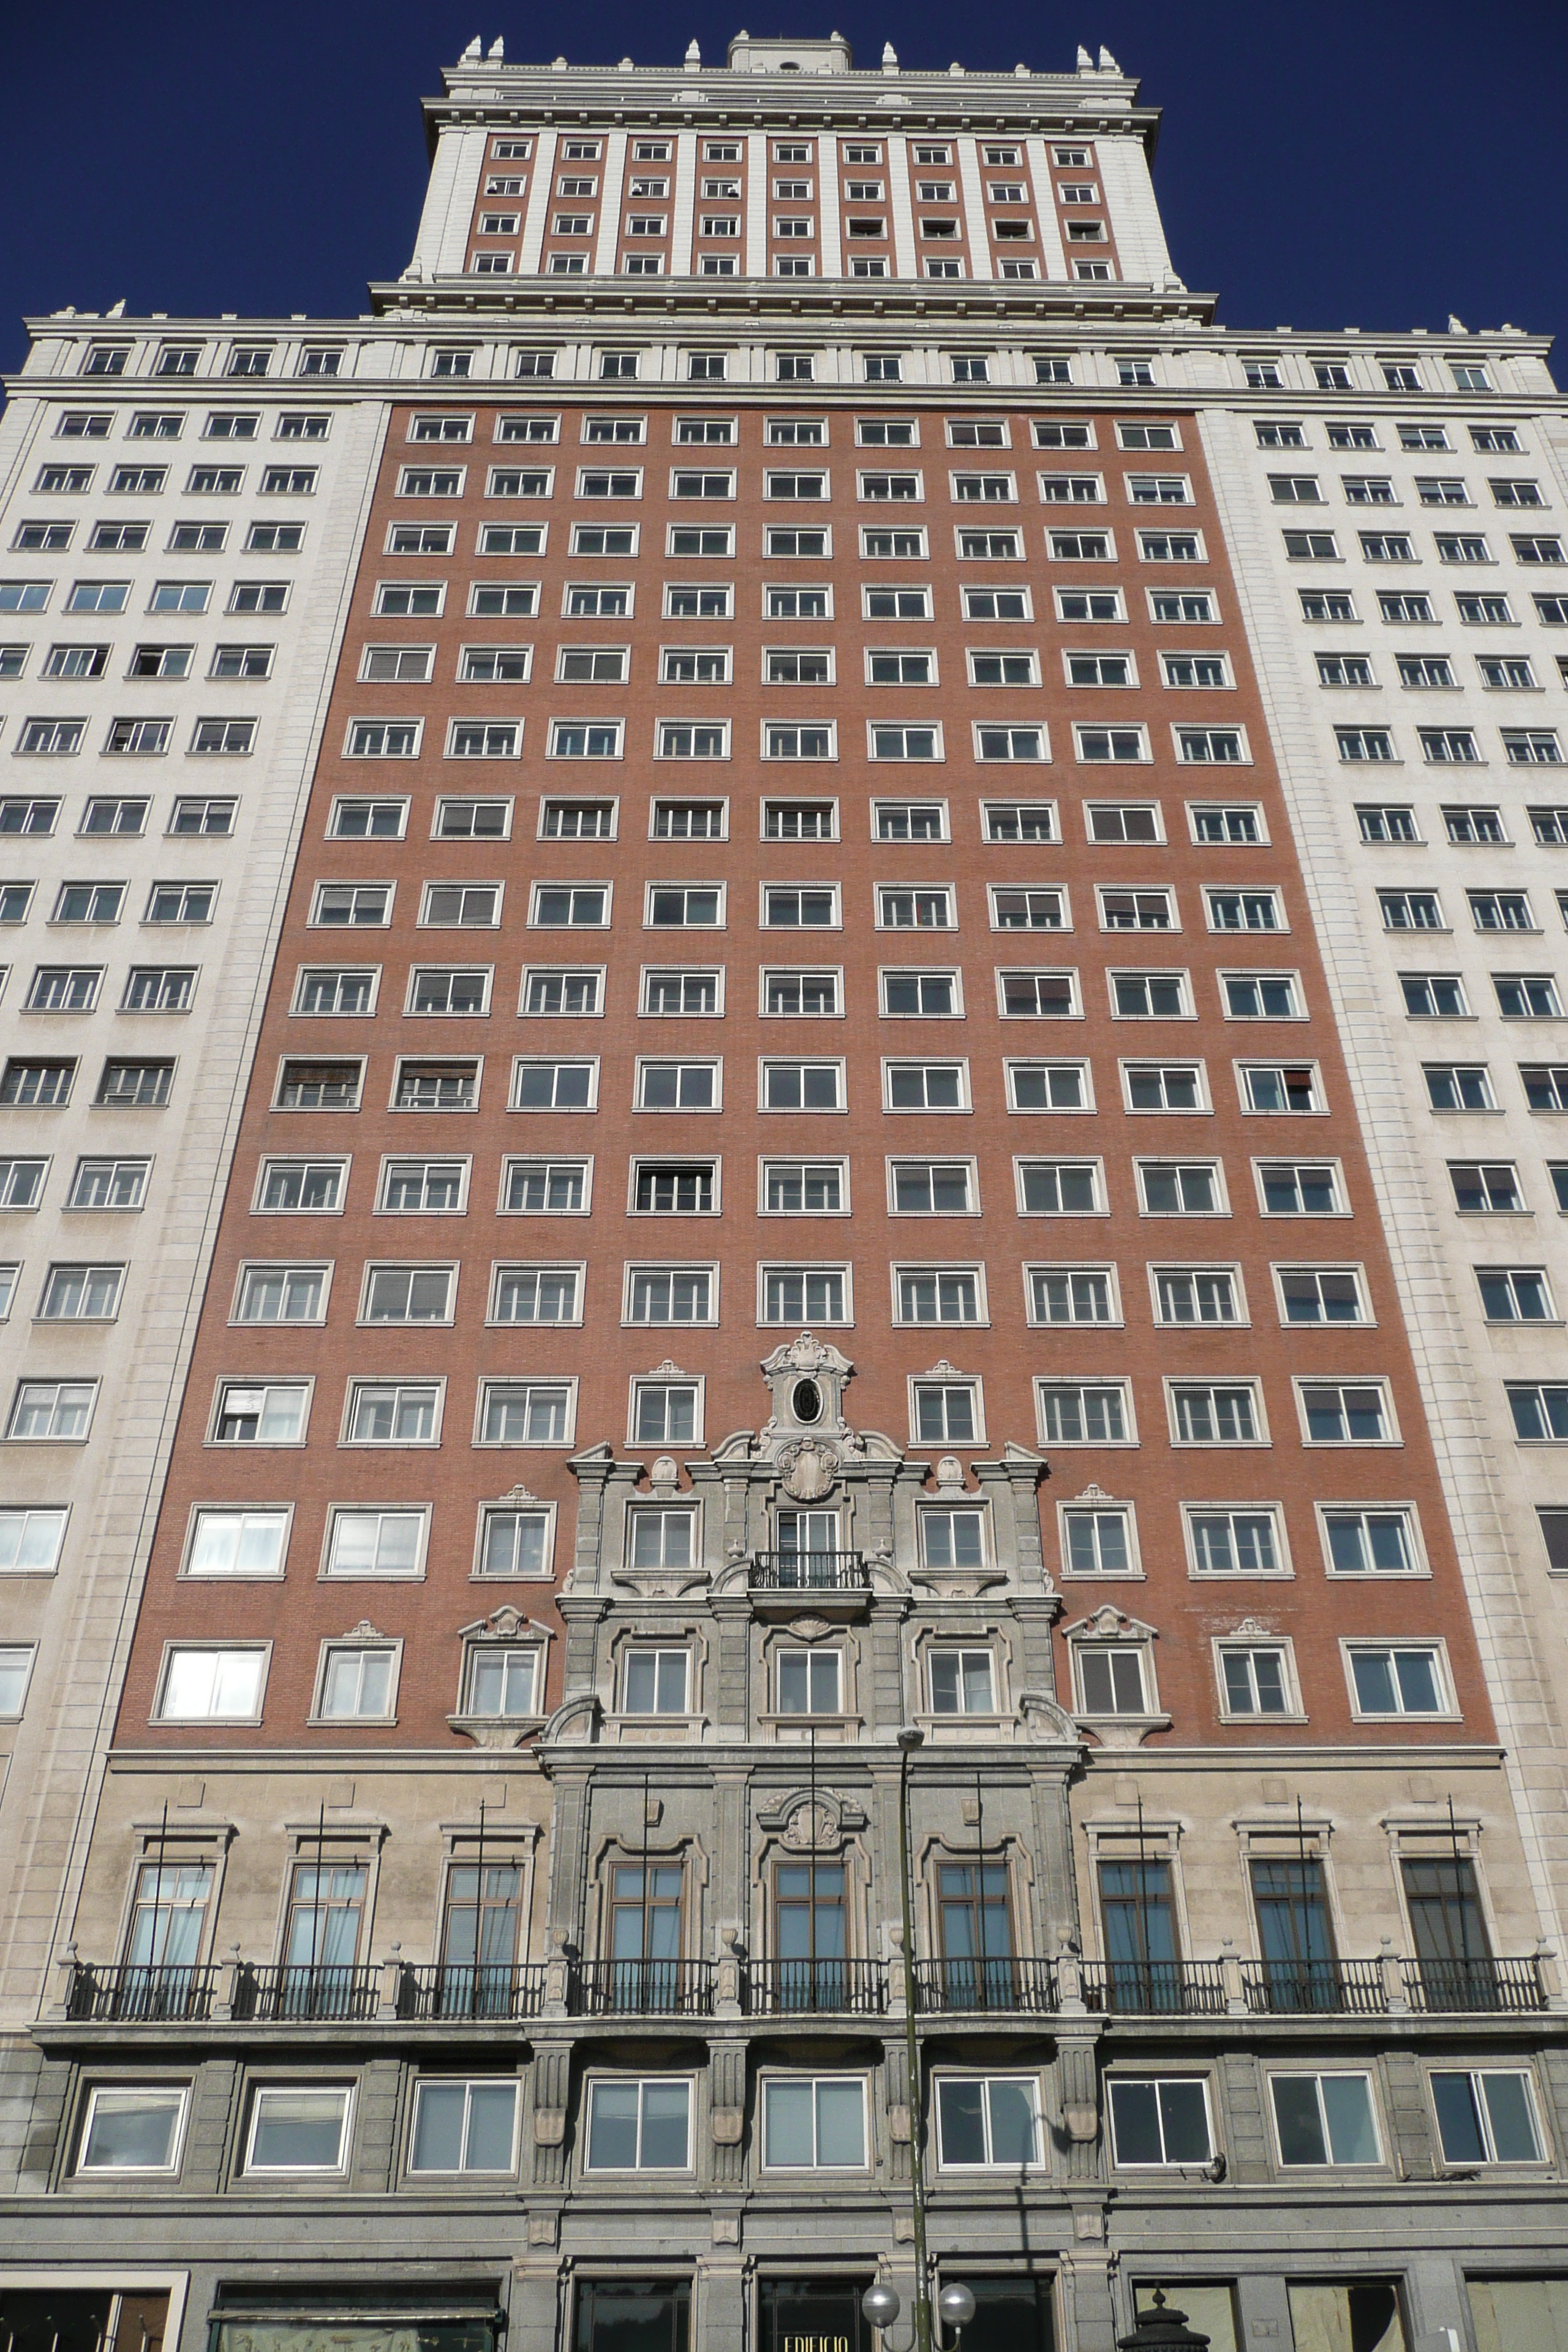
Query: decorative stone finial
693, 54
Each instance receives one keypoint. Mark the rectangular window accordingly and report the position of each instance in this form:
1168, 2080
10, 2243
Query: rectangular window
987, 2120
464, 2127
1205, 1413
1161, 2121
1323, 2119
298, 2130
814, 2123
515, 1542
1487, 2118
682, 1085
1235, 1542
376, 1543
640, 2126
671, 1294
804, 1295
1397, 1682
1077, 1412
1487, 1188
210, 1685
138, 2130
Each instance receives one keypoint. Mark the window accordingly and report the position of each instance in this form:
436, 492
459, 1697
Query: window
640, 2126
671, 1294
1207, 1414
665, 1412
1111, 1677
282, 1294
1197, 1295
80, 1293
357, 1682
392, 1413
515, 1542
1059, 1188
1234, 1542
801, 1295
1486, 2118
137, 2130
1150, 996
1165, 2120
30, 1541
932, 1188
1397, 1682
987, 2120
1026, 910
924, 910
210, 1685
1169, 1188
678, 1086
1097, 1542
409, 1294
1539, 1411
436, 1086
375, 1543
1077, 1412
1369, 1542
804, 1188
1324, 2119
1410, 910
816, 2123
464, 2127
945, 1412
293, 2130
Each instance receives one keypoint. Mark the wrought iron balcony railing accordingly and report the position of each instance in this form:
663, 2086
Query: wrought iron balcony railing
139, 1994
946, 1988
1156, 1988
1513, 1986
1296, 1988
808, 1572
799, 1988
642, 1989
448, 1992
305, 1993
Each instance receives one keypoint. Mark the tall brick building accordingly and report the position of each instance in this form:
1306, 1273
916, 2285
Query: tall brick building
779, 1497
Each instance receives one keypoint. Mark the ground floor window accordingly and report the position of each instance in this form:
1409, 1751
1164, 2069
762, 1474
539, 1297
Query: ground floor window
1012, 2314
634, 2316
823, 2313
1209, 2306
1510, 2311
81, 2319
1349, 2315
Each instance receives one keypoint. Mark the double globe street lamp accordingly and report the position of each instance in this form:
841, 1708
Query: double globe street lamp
954, 2309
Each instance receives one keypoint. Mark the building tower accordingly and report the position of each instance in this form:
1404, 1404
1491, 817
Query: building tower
804, 1514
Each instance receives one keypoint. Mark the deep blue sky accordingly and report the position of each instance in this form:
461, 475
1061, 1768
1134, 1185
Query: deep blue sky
1324, 162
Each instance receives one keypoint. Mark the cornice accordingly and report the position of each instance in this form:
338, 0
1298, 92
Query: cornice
970, 301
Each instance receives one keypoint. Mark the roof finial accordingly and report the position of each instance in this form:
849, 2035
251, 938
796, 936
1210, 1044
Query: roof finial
498, 50
890, 58
1457, 326
472, 51
1085, 62
1107, 62
693, 54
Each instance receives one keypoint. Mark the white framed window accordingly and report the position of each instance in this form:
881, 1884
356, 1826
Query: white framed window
1388, 1681
803, 1188
356, 1681
1225, 1540
1164, 1087
1262, 996
1038, 995
1215, 1412
801, 1086
946, 1409
1099, 1539
1199, 1297
1049, 1086
1371, 1539
638, 2124
907, 993
933, 1188
901, 907
464, 2127
269, 1412
654, 1681
236, 1543
1060, 1187
337, 905
1257, 1682
1114, 1678
800, 906
690, 990
536, 1294
526, 1413
1058, 1294
987, 2121
55, 1412
133, 2129
281, 1294
204, 1682
667, 1409
1322, 1294
1301, 1188
1324, 2119
515, 1539
1487, 2116
1346, 1412
1235, 825
1161, 2119
678, 1086
30, 1540
1182, 1188
934, 1086
298, 2128
940, 1294
814, 2123
1041, 909
532, 1184
681, 1294
800, 1294
1124, 822
375, 1542
392, 1413
1085, 1412
894, 743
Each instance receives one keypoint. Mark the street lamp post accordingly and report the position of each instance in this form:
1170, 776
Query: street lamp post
910, 1739
880, 2304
